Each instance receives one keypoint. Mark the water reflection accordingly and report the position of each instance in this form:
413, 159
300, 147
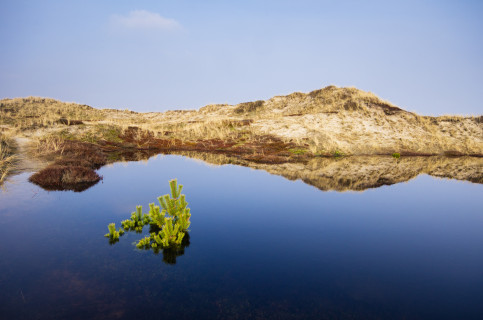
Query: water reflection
356, 173
170, 254
261, 247
360, 173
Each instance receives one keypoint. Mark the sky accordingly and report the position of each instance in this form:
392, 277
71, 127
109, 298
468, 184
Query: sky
424, 56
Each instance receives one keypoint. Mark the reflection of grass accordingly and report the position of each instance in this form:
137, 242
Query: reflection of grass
7, 158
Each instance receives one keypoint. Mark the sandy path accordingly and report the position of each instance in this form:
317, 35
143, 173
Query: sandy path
26, 163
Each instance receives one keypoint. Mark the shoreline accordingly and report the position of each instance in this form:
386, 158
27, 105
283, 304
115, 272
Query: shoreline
327, 123
75, 167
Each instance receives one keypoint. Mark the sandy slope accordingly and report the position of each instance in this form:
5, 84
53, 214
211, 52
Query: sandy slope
323, 121
344, 119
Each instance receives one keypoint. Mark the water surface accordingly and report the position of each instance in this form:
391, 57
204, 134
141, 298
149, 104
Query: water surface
261, 247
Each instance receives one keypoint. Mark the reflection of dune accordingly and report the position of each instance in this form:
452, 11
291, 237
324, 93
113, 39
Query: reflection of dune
360, 173
356, 173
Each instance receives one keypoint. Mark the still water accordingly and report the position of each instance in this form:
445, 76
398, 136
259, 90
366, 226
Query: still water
261, 247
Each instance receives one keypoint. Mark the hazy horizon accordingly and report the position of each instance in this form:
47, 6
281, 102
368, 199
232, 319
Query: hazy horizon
159, 55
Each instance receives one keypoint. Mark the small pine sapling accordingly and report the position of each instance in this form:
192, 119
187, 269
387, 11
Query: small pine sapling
113, 233
172, 221
157, 217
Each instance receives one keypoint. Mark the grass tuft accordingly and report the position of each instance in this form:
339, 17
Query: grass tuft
7, 157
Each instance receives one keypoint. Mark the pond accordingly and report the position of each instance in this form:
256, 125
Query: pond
261, 247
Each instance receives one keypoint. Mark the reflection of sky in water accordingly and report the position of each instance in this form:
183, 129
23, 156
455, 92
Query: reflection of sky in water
260, 246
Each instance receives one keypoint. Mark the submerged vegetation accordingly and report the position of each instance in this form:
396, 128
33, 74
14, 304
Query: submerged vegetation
168, 226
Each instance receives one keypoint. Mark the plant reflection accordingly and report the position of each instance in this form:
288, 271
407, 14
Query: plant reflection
170, 254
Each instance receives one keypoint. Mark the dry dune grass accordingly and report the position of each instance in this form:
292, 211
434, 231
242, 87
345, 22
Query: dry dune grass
34, 112
7, 157
329, 120
358, 122
49, 144
291, 135
323, 122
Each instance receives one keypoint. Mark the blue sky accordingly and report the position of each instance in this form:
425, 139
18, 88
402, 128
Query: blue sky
424, 56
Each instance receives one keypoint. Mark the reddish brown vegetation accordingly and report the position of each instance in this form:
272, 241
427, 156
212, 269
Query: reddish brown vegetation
75, 170
453, 153
416, 154
261, 149
59, 177
91, 155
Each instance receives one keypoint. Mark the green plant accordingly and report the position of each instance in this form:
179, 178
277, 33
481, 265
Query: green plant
113, 233
144, 242
338, 153
297, 151
170, 223
396, 155
138, 220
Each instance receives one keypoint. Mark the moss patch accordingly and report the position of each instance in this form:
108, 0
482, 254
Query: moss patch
298, 151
